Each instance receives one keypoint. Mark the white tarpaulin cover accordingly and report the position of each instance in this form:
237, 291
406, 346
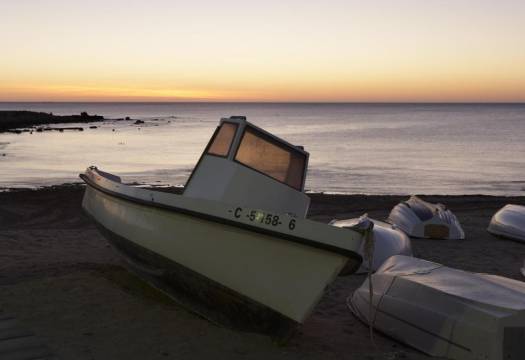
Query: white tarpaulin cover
446, 312
388, 240
509, 222
422, 219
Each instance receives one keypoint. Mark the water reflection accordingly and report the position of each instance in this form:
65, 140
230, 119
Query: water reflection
447, 149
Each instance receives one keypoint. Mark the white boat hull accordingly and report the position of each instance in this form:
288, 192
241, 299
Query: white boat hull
446, 312
388, 241
241, 259
420, 219
509, 222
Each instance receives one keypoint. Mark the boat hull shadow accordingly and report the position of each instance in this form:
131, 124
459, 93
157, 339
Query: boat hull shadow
200, 295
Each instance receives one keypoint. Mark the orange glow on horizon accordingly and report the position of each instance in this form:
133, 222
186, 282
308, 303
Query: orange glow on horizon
444, 90
343, 51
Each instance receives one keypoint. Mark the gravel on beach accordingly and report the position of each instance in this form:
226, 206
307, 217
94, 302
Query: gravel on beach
61, 278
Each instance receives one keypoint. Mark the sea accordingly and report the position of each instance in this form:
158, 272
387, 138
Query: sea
355, 148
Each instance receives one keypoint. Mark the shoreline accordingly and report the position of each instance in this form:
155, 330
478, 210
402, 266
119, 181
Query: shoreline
61, 278
314, 194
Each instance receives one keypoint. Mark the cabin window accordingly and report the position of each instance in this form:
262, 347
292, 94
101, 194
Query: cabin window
271, 158
223, 139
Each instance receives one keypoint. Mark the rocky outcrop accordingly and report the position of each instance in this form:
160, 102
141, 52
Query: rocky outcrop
10, 120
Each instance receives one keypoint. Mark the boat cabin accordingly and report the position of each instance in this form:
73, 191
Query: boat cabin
246, 166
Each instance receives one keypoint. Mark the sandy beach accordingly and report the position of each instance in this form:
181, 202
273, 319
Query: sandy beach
61, 279
253, 107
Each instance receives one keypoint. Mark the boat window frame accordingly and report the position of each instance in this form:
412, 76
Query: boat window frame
279, 143
215, 133
205, 152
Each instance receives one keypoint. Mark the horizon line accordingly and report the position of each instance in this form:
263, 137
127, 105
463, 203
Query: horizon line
272, 102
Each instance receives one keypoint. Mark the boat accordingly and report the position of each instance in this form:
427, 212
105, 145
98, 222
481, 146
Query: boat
235, 246
444, 312
421, 219
388, 241
509, 222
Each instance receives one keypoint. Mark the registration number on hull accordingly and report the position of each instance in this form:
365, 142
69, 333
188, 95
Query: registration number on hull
261, 217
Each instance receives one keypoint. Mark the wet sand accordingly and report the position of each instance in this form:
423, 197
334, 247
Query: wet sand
60, 278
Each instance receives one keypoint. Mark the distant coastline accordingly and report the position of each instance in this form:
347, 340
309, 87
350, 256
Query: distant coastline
17, 119
379, 103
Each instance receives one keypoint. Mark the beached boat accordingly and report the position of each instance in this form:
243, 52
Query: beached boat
445, 312
388, 241
509, 222
235, 246
421, 219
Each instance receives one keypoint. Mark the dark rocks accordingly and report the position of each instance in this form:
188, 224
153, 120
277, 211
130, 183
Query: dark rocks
127, 118
60, 129
138, 122
13, 120
70, 129
93, 127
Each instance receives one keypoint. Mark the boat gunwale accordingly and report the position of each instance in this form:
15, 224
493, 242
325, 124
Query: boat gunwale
299, 240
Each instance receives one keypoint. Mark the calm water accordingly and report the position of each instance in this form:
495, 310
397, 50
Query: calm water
354, 148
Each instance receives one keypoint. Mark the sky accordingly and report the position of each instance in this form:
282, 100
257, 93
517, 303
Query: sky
272, 50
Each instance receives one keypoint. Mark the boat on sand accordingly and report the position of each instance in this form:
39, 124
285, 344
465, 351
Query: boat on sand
388, 241
509, 222
443, 311
421, 219
236, 246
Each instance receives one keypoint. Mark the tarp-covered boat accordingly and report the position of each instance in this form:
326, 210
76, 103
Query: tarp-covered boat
387, 241
445, 312
509, 222
422, 219
235, 246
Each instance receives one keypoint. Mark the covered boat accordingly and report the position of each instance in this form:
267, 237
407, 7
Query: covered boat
387, 241
443, 311
422, 219
509, 222
235, 247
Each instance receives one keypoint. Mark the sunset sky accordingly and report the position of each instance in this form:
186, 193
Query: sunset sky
161, 50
